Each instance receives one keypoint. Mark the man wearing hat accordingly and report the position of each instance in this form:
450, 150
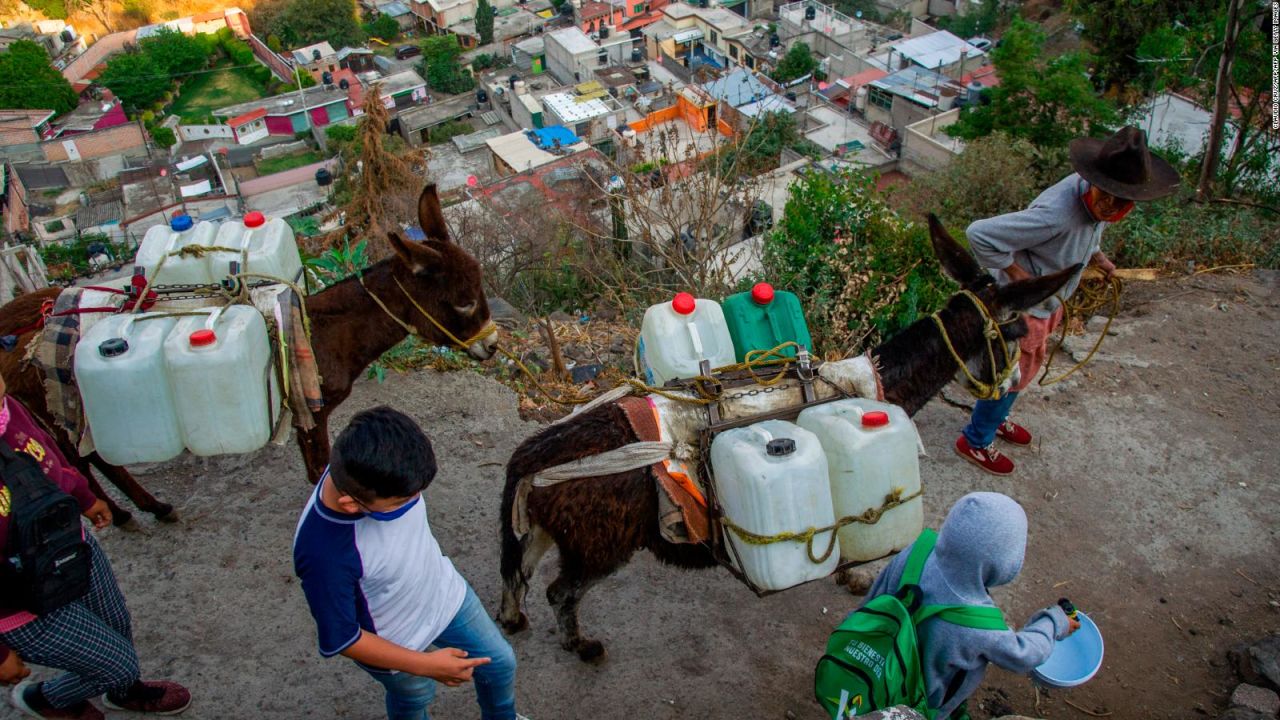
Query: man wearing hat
1059, 229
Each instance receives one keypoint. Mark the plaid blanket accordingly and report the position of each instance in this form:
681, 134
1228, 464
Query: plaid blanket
54, 353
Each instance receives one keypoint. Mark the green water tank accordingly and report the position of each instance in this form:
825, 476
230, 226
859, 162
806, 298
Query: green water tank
765, 318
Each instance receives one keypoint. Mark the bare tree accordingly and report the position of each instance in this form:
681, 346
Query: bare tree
1209, 168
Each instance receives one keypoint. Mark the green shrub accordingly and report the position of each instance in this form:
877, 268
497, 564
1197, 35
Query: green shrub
164, 137
862, 273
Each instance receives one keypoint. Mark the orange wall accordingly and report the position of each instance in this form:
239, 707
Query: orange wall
656, 118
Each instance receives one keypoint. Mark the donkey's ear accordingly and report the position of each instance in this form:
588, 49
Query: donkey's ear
415, 256
431, 215
1023, 294
955, 260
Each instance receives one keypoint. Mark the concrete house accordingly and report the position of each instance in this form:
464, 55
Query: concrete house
318, 59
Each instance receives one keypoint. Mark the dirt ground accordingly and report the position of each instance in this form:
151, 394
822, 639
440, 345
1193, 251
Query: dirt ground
1151, 492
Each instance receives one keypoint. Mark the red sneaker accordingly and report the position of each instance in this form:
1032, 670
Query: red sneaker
1010, 431
28, 699
156, 698
987, 458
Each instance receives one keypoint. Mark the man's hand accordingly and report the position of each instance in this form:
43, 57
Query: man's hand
13, 669
450, 666
1016, 273
1104, 265
99, 514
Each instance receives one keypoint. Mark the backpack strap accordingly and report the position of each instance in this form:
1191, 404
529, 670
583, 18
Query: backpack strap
977, 617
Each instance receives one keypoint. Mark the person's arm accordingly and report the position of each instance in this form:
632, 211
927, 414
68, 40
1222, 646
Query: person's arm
994, 241
1023, 651
450, 666
1103, 263
68, 478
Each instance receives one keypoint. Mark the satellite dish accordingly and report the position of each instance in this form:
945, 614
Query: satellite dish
344, 84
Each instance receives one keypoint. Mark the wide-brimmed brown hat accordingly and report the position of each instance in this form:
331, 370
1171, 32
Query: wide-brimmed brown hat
1123, 166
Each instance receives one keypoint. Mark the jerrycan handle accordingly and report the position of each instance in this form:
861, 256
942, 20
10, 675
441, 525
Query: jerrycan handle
214, 316
696, 338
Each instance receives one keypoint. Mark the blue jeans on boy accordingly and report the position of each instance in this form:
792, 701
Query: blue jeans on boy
987, 417
474, 631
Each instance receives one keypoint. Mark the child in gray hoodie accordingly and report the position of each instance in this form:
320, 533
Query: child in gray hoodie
980, 546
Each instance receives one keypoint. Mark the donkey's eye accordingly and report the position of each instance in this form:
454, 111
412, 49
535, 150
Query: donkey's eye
465, 309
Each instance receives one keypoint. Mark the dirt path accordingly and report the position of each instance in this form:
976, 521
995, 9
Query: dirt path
1152, 497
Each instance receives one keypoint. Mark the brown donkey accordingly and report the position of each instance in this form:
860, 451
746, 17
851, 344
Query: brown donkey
349, 331
598, 523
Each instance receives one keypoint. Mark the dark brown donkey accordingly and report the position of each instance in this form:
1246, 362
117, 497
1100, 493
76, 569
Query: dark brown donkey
349, 331
598, 523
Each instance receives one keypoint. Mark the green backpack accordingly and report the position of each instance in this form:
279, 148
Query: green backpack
873, 659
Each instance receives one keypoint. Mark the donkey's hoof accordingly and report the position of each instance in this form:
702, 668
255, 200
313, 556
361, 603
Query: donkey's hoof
511, 627
591, 651
166, 514
129, 525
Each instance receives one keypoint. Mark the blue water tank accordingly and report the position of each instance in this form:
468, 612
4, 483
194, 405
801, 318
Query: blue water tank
180, 223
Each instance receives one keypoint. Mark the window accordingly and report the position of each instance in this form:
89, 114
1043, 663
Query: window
733, 51
880, 98
637, 9
714, 40
603, 58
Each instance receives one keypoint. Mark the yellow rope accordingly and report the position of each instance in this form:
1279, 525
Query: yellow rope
870, 517
991, 330
1087, 300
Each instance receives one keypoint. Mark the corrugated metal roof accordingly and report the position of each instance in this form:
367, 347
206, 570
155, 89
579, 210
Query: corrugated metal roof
937, 49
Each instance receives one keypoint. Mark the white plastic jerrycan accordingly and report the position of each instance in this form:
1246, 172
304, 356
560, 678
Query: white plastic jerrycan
223, 385
676, 336
771, 478
161, 267
871, 454
120, 369
271, 249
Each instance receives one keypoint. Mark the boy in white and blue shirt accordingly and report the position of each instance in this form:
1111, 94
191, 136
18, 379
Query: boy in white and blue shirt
378, 586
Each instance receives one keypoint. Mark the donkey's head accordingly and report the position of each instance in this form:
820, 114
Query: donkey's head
1001, 304
443, 281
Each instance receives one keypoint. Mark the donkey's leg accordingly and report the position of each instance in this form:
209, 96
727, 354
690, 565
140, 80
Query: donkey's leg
137, 494
532, 547
314, 444
565, 595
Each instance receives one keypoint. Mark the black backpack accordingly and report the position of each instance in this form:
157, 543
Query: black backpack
47, 560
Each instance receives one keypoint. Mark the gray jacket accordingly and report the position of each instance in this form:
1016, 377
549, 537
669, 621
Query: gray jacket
981, 545
1055, 232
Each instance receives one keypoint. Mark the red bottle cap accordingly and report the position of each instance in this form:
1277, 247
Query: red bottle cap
762, 293
875, 418
201, 338
684, 304
254, 219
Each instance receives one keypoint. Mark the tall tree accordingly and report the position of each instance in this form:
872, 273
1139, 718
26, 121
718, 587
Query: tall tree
304, 22
136, 79
176, 53
443, 71
798, 62
1048, 102
28, 81
484, 21
1115, 28
1221, 98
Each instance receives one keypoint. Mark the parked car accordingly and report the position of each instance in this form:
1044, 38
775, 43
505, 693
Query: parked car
981, 43
407, 51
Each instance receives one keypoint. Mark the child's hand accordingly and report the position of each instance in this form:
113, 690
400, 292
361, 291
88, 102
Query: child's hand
13, 669
450, 666
1073, 625
99, 514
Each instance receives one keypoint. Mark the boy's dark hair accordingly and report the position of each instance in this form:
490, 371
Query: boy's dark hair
382, 454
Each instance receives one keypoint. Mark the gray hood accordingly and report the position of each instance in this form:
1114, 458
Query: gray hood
981, 545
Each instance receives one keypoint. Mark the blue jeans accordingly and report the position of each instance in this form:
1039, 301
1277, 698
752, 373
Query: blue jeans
474, 631
987, 417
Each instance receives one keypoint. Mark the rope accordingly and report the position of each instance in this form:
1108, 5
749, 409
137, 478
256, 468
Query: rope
1088, 299
990, 330
870, 517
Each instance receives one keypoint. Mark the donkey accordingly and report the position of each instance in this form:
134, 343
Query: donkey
353, 323
598, 523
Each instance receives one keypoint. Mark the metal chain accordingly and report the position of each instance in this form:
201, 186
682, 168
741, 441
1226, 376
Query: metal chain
756, 391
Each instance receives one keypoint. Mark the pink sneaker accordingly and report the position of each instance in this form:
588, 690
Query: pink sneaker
987, 458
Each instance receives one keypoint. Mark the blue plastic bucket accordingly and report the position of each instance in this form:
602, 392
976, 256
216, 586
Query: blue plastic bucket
1075, 660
